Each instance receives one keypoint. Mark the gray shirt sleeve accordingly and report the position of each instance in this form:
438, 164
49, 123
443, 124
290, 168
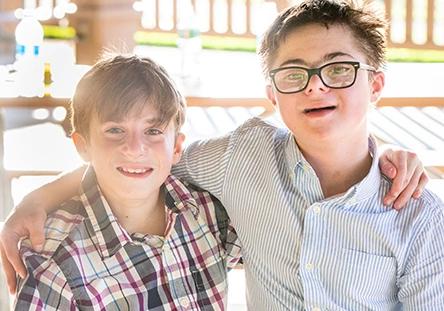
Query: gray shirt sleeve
204, 164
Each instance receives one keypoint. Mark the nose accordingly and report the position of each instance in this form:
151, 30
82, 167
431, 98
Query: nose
135, 146
315, 83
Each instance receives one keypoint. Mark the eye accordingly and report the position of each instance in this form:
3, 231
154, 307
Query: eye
114, 130
339, 70
153, 132
294, 76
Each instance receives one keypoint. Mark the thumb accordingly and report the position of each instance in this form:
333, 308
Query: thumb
37, 234
37, 238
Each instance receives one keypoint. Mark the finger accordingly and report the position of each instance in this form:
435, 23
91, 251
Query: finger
407, 164
37, 234
423, 181
12, 258
9, 271
407, 193
398, 186
387, 168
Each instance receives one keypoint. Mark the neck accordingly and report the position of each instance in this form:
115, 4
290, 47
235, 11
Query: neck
338, 166
141, 216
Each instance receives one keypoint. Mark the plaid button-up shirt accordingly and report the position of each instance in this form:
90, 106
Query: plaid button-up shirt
90, 262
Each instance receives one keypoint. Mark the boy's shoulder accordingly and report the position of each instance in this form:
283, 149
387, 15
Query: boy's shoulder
182, 193
259, 124
431, 202
180, 190
200, 202
428, 207
60, 225
259, 134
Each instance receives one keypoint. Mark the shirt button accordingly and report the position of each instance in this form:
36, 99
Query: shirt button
308, 266
316, 209
184, 302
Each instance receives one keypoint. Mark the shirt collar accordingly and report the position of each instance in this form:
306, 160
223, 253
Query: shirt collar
371, 182
178, 196
367, 187
111, 237
292, 153
362, 190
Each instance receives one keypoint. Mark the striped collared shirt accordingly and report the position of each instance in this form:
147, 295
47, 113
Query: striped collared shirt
302, 251
90, 262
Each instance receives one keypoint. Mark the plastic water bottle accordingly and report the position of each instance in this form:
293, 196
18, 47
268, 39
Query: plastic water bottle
189, 42
29, 37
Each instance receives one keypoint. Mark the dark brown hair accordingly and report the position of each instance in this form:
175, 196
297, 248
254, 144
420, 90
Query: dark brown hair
367, 24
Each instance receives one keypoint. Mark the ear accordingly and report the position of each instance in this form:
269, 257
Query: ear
377, 85
81, 146
271, 96
178, 148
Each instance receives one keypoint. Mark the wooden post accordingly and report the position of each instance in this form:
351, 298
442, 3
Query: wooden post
103, 23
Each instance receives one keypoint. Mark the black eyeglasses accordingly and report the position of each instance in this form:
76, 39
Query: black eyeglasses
337, 75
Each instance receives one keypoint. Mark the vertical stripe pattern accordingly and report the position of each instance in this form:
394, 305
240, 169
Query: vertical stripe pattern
304, 252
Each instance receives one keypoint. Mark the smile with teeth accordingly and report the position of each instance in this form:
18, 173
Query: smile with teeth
133, 170
318, 109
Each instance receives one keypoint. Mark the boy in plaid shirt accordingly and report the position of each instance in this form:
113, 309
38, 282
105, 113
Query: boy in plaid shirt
135, 237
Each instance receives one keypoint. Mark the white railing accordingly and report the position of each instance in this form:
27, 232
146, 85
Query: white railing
415, 24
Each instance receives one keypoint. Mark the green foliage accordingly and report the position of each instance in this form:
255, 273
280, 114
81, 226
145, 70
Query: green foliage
57, 32
155, 38
229, 43
208, 42
411, 55
249, 45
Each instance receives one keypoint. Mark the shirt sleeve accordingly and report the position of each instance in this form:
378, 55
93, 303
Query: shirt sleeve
203, 163
422, 285
234, 250
45, 287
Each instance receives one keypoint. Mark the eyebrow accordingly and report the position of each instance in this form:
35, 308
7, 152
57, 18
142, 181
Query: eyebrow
154, 120
149, 120
301, 62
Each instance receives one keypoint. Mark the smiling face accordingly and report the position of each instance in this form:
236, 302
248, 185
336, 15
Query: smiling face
320, 114
132, 157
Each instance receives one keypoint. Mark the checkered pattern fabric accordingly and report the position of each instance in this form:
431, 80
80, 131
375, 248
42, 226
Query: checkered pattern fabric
90, 262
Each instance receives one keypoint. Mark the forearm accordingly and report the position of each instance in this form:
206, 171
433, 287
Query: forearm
55, 193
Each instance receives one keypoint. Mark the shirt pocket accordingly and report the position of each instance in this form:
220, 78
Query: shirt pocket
210, 284
367, 280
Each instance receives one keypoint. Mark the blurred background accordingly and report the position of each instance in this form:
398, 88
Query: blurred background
209, 47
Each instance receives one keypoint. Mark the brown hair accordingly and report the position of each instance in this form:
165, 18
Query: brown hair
365, 22
117, 84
